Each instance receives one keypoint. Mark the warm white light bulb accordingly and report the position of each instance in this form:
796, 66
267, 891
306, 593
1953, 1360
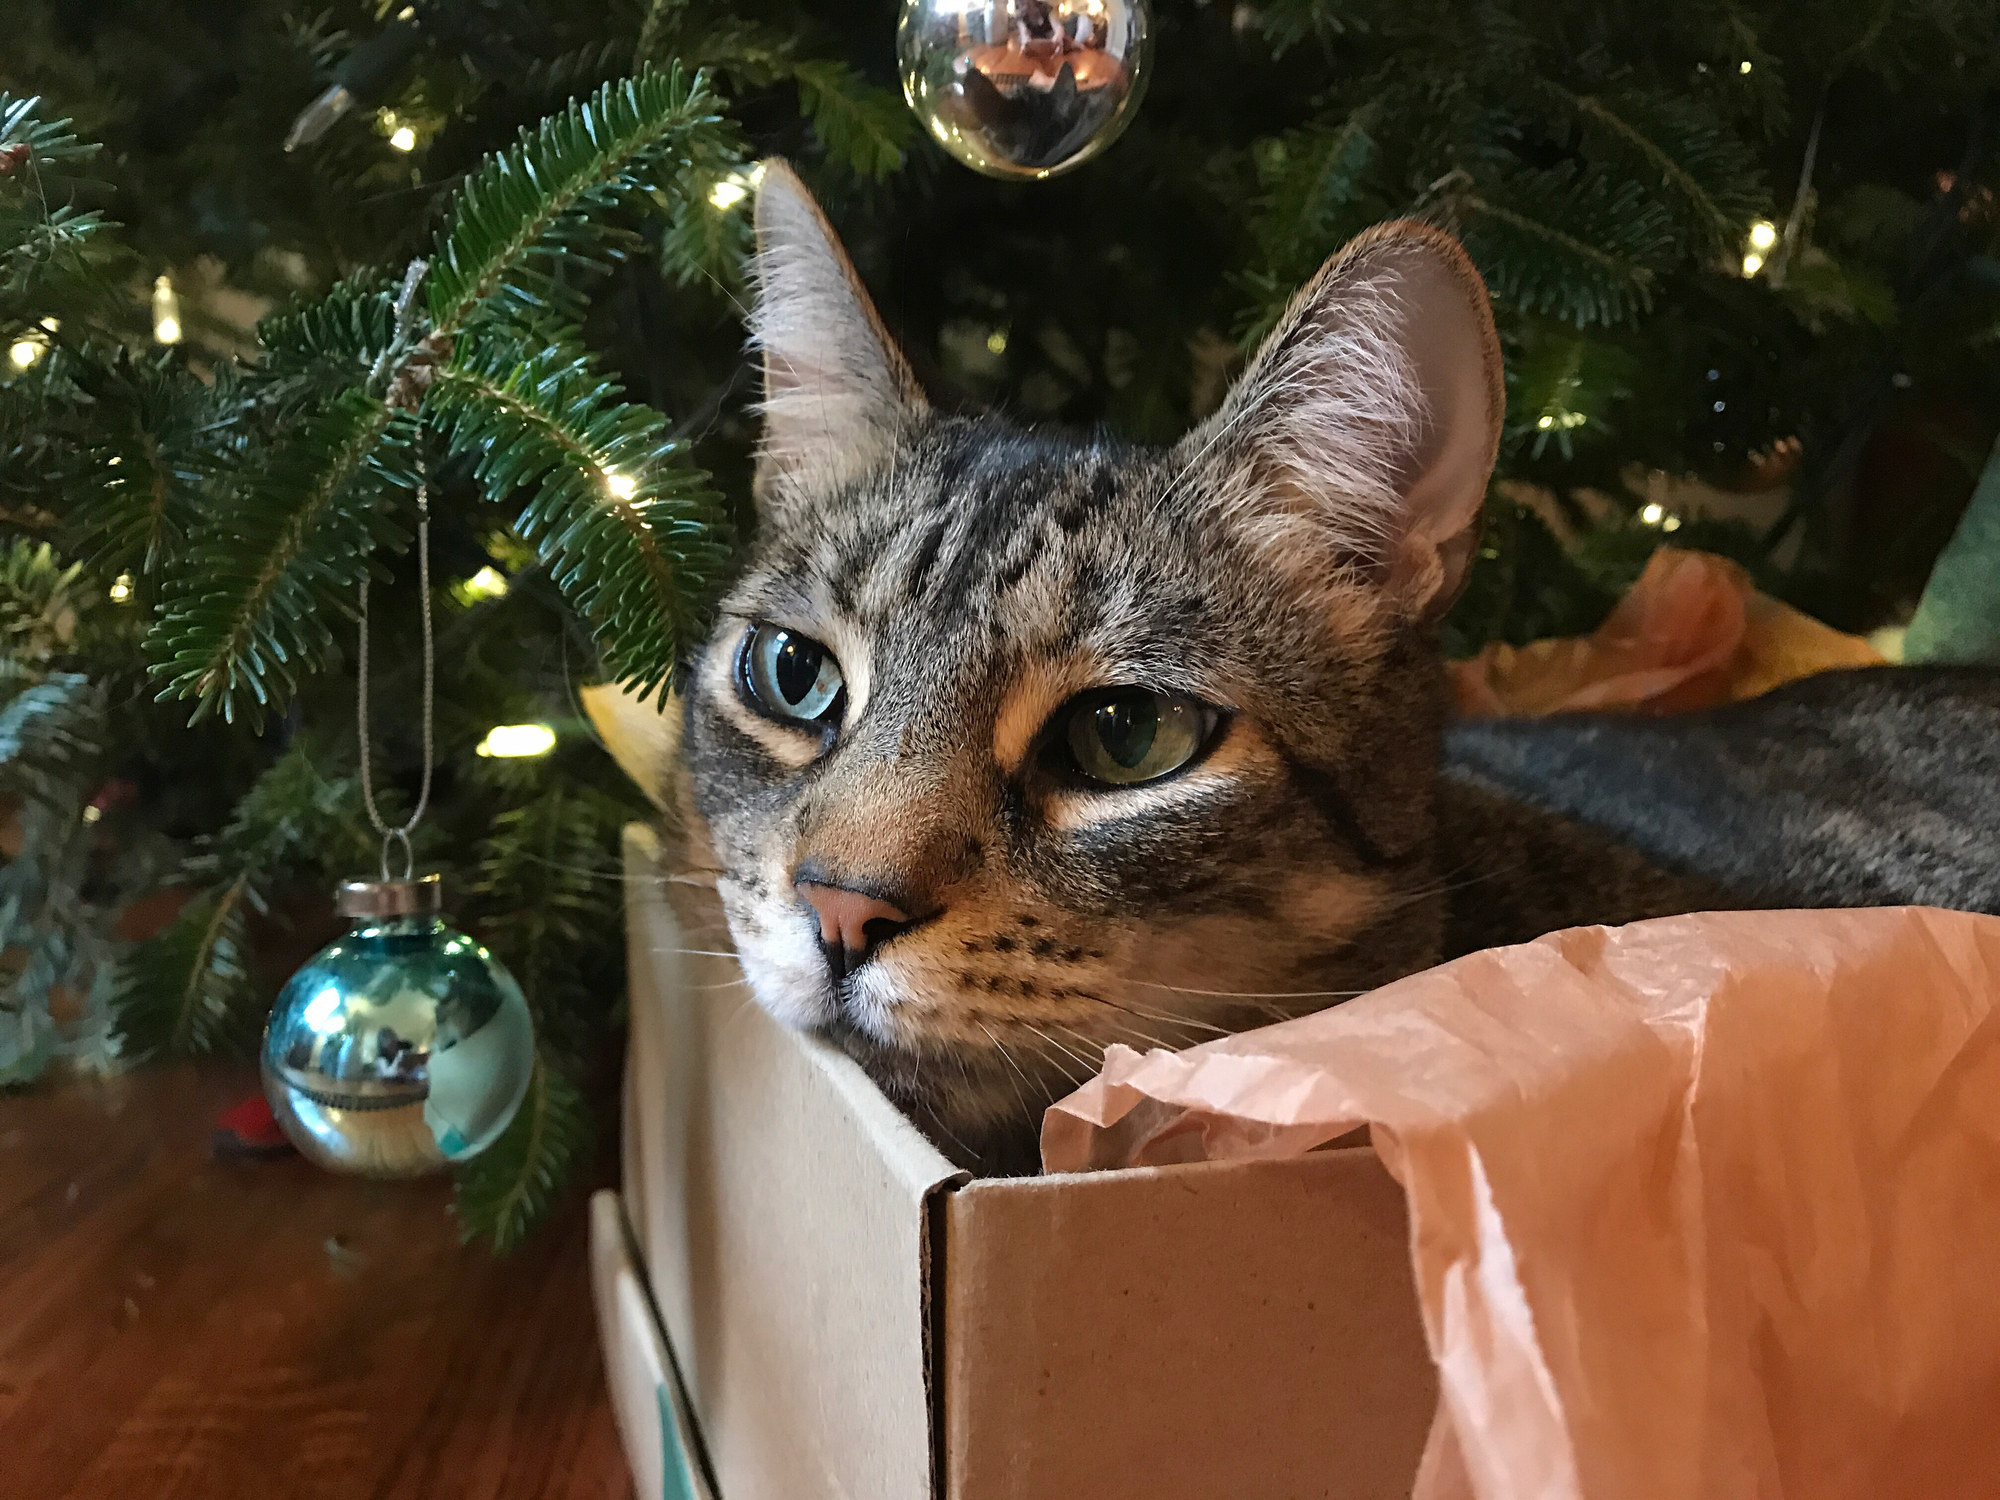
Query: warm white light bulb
1744, 66
1653, 514
996, 341
1752, 263
403, 138
1763, 235
25, 352
121, 588
624, 486
166, 312
517, 741
727, 193
487, 583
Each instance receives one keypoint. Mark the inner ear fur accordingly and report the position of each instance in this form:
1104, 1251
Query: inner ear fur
1363, 433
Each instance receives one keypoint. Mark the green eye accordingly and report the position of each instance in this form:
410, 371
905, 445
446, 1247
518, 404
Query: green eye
1124, 736
789, 676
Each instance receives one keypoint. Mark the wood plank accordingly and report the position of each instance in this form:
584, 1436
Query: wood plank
173, 1326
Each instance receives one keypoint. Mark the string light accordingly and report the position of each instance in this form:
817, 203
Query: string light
517, 741
624, 486
32, 345
1653, 514
1763, 235
734, 188
1563, 421
1744, 66
403, 138
166, 312
1752, 263
487, 583
996, 341
121, 589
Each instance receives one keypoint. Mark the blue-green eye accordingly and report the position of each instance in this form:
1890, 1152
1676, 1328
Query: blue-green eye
790, 676
1123, 736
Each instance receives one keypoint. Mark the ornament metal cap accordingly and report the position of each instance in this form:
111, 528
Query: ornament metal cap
420, 895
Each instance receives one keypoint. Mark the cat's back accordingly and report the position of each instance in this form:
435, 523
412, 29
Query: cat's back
1860, 788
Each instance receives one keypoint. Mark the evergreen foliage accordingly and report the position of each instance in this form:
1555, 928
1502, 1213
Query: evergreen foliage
536, 306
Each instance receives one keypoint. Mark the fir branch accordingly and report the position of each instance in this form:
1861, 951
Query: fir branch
47, 143
133, 494
502, 1192
549, 900
250, 615
339, 335
192, 988
1311, 201
50, 729
533, 214
1587, 249
1702, 170
189, 990
867, 128
627, 525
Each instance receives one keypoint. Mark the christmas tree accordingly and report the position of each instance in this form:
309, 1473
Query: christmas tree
1741, 256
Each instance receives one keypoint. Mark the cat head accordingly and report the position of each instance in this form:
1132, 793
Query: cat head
1011, 744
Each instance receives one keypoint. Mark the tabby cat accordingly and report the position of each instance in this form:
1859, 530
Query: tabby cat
1010, 744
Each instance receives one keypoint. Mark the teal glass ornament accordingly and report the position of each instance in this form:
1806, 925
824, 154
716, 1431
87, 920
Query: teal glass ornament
402, 1047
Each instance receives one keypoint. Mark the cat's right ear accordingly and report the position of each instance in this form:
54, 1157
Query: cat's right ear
1357, 446
836, 391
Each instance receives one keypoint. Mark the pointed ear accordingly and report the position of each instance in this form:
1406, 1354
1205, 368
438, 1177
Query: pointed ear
1364, 432
835, 388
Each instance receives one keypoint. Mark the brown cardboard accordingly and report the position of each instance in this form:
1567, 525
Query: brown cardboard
1184, 1331
853, 1317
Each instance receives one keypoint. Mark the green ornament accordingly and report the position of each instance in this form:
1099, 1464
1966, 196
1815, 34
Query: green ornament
402, 1047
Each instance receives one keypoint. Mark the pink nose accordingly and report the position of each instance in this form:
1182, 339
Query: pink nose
852, 924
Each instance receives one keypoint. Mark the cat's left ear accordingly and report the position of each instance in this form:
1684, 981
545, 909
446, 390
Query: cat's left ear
1363, 433
836, 390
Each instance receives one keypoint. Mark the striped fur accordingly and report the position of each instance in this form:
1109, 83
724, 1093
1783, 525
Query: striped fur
1284, 563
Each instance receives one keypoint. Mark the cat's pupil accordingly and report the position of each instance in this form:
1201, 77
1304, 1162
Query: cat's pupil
797, 668
1126, 727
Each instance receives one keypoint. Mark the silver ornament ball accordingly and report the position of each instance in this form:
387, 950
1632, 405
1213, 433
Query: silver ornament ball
400, 1048
1023, 88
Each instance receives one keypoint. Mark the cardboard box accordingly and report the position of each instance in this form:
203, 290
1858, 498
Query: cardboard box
836, 1310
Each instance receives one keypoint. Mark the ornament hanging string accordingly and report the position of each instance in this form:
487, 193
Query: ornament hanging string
391, 837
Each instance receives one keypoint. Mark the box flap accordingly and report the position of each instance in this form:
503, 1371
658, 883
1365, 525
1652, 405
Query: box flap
647, 1397
804, 1350
1239, 1328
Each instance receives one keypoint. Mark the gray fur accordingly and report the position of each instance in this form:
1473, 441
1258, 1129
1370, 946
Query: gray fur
970, 577
1868, 788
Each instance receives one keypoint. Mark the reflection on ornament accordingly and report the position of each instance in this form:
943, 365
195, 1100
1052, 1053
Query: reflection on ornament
1023, 88
400, 1048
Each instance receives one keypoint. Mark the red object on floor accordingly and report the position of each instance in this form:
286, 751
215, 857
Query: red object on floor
249, 1130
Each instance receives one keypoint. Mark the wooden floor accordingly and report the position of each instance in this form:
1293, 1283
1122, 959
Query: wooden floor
175, 1326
